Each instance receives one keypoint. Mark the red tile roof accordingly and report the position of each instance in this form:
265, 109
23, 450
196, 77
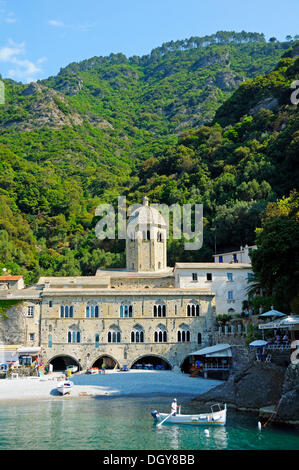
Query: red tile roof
10, 278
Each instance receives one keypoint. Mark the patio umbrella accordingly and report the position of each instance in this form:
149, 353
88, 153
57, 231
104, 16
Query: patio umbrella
272, 313
259, 343
290, 320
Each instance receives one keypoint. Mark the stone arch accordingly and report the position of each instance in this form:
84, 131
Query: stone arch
61, 361
109, 361
185, 364
154, 358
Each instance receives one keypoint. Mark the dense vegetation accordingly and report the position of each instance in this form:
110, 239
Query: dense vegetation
205, 120
276, 261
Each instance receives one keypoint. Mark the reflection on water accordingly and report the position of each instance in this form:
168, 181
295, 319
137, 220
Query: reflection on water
126, 423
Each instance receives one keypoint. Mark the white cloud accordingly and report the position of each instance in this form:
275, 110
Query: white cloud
57, 24
78, 27
23, 69
41, 60
8, 52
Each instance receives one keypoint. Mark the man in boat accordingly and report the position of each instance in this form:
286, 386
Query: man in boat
174, 407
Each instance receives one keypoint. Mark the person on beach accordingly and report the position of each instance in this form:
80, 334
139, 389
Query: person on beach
103, 368
174, 407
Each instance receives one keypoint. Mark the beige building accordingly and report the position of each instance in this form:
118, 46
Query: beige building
120, 317
147, 313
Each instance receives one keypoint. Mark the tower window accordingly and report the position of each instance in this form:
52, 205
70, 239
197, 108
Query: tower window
230, 295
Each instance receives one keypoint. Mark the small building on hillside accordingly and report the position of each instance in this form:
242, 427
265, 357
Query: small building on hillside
238, 256
11, 282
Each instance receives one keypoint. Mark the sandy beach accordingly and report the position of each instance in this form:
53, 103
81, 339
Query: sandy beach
112, 383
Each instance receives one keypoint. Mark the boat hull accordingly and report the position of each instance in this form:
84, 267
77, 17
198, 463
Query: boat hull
64, 388
204, 419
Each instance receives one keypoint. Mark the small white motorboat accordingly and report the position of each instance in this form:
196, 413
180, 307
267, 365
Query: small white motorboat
72, 368
93, 370
215, 418
65, 387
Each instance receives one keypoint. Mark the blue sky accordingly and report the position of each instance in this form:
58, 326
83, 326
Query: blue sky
37, 37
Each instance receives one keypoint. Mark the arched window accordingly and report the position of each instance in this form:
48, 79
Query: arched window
114, 335
97, 340
74, 336
92, 311
159, 310
137, 334
126, 311
193, 309
160, 335
199, 338
184, 333
148, 234
50, 341
66, 311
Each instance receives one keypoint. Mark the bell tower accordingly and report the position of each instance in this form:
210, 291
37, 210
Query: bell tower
146, 243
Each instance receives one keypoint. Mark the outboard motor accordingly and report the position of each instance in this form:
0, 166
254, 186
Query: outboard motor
154, 414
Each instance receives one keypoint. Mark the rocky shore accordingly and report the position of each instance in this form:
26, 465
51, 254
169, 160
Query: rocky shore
260, 385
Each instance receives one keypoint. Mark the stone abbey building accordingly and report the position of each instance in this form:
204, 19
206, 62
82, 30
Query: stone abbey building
145, 313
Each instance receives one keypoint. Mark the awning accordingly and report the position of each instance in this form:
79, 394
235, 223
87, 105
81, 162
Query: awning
30, 351
272, 313
8, 353
282, 323
219, 350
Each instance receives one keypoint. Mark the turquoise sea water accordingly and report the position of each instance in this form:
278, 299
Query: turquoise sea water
126, 423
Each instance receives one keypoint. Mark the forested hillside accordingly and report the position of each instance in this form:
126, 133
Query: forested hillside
205, 120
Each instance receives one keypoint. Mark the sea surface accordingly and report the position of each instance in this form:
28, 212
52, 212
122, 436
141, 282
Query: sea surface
126, 423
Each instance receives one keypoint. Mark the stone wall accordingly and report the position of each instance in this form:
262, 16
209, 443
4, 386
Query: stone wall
17, 327
140, 283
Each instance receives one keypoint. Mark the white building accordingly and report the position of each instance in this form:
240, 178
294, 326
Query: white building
238, 256
229, 282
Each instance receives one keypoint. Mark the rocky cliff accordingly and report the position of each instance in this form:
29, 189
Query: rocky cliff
254, 386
